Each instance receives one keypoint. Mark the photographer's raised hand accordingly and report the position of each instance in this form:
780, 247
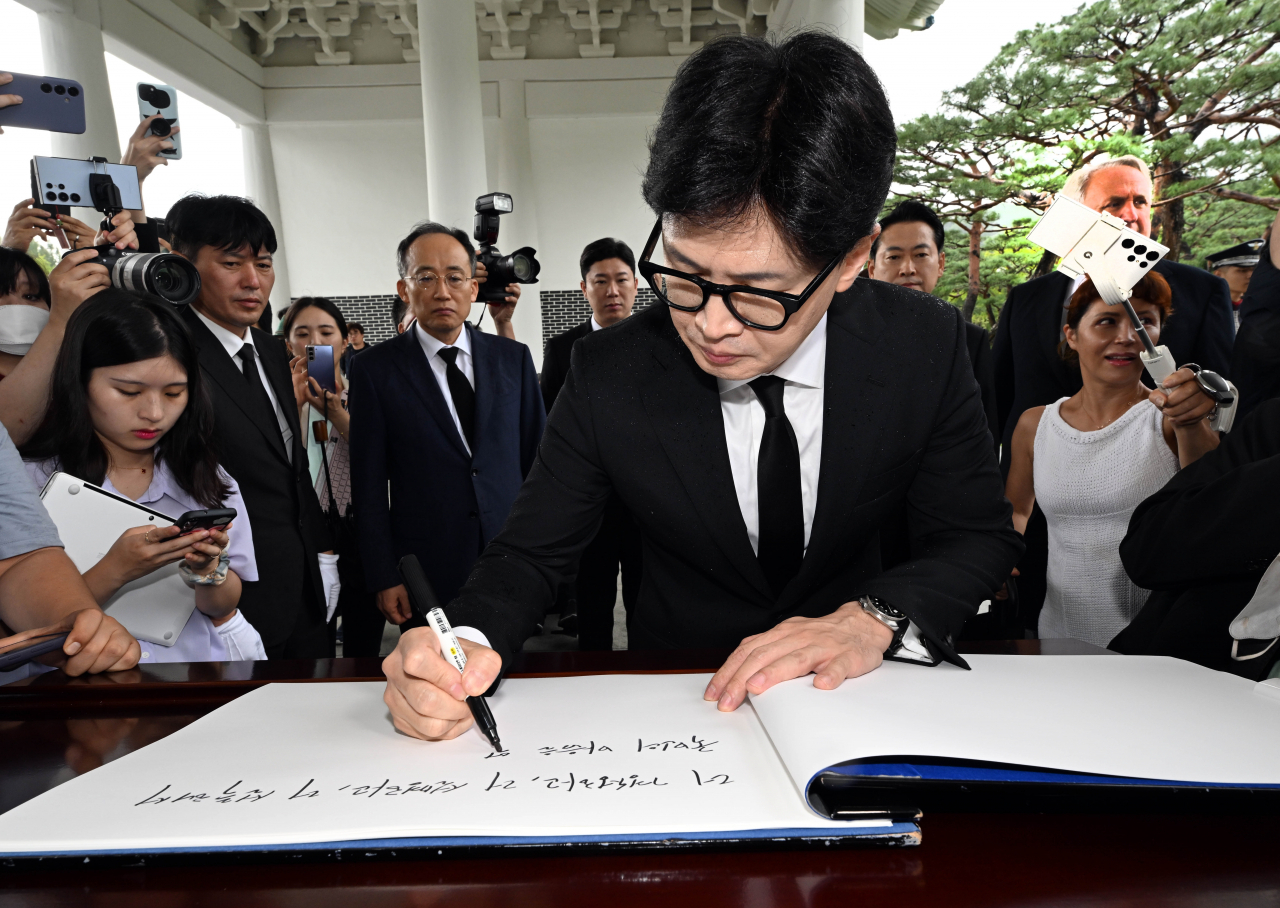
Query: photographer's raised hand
8, 100
25, 224
121, 234
144, 148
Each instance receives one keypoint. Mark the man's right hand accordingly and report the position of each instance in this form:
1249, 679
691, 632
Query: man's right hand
394, 604
425, 693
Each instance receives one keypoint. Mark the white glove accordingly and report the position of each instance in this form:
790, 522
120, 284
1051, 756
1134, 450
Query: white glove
242, 639
332, 585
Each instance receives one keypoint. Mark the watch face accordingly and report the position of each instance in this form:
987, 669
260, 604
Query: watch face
890, 611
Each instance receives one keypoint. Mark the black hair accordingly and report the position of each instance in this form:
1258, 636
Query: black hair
398, 308
607, 248
797, 128
355, 326
13, 261
307, 302
112, 328
425, 228
228, 223
912, 212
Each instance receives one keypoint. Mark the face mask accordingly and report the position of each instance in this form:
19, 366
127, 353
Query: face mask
20, 326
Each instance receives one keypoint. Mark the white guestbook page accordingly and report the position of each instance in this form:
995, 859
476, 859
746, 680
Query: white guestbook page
321, 762
1147, 717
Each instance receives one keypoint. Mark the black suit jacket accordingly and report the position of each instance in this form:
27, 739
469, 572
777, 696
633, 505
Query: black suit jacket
288, 526
1029, 372
1255, 361
979, 344
445, 504
637, 417
555, 361
1215, 520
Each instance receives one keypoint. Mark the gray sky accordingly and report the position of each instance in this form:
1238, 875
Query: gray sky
917, 67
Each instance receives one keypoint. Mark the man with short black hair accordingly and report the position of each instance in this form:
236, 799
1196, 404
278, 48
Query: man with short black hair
355, 345
444, 417
761, 420
608, 269
909, 252
256, 426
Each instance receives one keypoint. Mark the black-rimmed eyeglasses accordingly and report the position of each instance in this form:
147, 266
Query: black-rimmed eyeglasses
767, 310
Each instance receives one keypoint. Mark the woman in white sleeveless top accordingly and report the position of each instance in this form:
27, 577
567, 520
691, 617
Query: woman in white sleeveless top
1091, 459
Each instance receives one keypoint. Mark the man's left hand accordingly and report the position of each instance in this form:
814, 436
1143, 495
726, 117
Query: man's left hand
1182, 399
844, 644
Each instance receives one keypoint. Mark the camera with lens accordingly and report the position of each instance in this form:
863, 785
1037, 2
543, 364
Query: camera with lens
520, 267
164, 274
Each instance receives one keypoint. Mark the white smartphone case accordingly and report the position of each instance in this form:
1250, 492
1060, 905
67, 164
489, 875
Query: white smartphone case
90, 519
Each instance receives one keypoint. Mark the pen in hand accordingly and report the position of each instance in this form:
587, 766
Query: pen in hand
427, 613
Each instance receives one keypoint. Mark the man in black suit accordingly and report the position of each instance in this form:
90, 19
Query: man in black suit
256, 426
909, 253
1255, 361
609, 283
1030, 371
1028, 368
762, 422
608, 269
449, 417
1202, 544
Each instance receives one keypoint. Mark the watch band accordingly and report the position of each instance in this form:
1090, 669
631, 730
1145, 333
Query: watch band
890, 617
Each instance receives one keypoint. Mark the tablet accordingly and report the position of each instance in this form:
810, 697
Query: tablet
90, 519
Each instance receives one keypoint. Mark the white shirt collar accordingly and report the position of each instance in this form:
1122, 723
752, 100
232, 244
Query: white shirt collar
595, 325
230, 342
806, 366
431, 346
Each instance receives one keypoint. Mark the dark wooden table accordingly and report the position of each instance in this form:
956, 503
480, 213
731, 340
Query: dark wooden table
53, 727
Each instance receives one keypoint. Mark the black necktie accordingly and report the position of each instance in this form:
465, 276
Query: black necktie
781, 546
464, 396
257, 390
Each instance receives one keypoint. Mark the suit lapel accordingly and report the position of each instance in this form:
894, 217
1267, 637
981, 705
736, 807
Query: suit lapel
856, 400
490, 382
412, 362
683, 404
277, 369
219, 366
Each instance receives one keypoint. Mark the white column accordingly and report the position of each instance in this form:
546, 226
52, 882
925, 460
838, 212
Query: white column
260, 183
520, 228
846, 18
71, 38
452, 119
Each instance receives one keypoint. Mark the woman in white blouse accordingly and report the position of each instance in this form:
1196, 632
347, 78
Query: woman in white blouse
128, 412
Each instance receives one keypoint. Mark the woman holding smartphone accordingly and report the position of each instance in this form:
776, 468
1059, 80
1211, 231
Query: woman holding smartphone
314, 321
128, 413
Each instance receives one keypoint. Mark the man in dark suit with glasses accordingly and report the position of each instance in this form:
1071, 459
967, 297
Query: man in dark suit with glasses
760, 424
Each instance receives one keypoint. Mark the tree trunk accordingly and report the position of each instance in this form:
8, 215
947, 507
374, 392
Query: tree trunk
975, 277
1047, 263
1169, 221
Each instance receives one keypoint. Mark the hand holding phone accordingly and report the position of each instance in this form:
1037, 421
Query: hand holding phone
210, 519
320, 367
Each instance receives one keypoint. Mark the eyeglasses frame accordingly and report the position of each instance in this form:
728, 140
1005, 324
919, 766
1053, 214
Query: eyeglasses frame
791, 302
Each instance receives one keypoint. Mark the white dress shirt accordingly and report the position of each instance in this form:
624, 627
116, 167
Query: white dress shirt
232, 345
440, 369
802, 398
595, 325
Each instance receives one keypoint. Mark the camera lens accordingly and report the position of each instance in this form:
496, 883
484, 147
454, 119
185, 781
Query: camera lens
59, 90
522, 268
51, 196
75, 196
73, 91
172, 278
46, 87
63, 197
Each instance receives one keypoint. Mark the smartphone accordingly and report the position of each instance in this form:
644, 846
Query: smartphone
66, 181
211, 519
163, 100
48, 103
19, 654
320, 367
